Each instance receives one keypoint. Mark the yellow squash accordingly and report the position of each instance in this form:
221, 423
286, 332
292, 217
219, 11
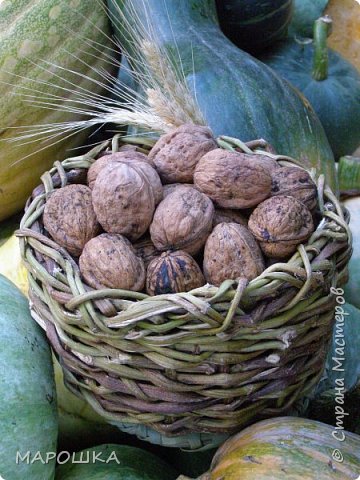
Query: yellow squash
59, 32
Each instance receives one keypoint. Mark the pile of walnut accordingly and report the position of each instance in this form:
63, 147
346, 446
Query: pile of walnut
150, 222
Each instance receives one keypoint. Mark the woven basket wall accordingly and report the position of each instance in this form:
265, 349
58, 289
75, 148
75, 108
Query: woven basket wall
198, 365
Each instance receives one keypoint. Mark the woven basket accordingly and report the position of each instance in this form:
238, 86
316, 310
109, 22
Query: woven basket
188, 369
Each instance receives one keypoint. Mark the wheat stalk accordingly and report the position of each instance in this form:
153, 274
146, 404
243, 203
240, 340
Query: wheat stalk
162, 102
171, 98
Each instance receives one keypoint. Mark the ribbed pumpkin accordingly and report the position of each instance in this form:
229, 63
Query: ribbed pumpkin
56, 31
288, 449
328, 81
238, 95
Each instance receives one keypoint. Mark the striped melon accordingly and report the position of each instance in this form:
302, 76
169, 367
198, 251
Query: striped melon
31, 31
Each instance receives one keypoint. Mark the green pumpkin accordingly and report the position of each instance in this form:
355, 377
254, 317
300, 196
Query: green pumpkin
304, 16
340, 384
288, 449
238, 95
28, 417
115, 462
254, 24
352, 288
328, 81
31, 32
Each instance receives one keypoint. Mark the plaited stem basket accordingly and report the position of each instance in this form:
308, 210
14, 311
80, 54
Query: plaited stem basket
203, 363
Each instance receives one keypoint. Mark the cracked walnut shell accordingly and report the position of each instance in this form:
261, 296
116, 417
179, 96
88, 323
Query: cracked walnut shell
146, 250
280, 224
110, 261
123, 200
176, 153
232, 180
231, 252
70, 219
182, 221
173, 272
295, 182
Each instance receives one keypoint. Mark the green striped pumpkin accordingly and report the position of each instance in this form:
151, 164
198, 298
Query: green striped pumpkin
31, 31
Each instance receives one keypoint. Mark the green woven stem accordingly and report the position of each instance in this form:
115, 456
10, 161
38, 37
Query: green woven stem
205, 362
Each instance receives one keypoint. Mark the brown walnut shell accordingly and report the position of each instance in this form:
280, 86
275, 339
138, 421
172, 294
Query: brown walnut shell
70, 219
109, 261
146, 250
226, 215
269, 163
176, 154
173, 272
138, 160
280, 224
101, 162
231, 252
123, 148
232, 180
170, 187
123, 200
295, 182
182, 221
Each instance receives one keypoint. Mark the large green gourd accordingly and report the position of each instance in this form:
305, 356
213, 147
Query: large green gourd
115, 462
28, 418
57, 31
238, 95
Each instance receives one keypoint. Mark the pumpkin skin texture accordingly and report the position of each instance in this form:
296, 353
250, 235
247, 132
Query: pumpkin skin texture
353, 285
287, 449
324, 400
28, 418
254, 25
345, 36
304, 15
237, 95
33, 31
336, 99
132, 464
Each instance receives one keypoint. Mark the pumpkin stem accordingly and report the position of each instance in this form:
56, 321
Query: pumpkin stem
322, 29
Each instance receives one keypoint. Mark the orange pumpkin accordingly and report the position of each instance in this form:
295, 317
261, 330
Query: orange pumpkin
345, 37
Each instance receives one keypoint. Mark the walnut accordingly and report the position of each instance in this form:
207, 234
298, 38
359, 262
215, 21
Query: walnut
109, 261
136, 159
123, 200
123, 148
182, 221
146, 250
70, 219
226, 215
280, 224
295, 182
270, 164
104, 160
176, 154
231, 179
231, 252
171, 187
173, 272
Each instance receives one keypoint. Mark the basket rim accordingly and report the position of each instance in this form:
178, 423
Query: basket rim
329, 207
